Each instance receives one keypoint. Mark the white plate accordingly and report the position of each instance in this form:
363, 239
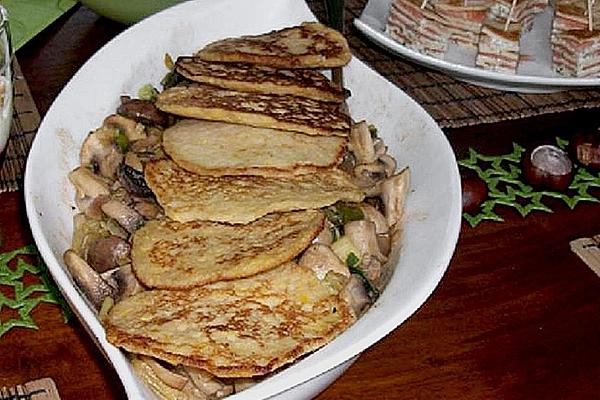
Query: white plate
135, 58
533, 77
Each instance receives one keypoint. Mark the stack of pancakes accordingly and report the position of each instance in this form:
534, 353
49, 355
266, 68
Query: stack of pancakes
252, 159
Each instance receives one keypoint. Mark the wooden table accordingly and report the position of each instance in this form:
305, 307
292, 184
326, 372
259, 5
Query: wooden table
517, 315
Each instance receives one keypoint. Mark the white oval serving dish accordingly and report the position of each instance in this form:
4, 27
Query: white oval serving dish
133, 59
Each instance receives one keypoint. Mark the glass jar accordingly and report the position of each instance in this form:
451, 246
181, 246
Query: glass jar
6, 88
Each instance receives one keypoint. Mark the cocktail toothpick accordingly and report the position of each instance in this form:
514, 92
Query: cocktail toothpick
590, 16
510, 12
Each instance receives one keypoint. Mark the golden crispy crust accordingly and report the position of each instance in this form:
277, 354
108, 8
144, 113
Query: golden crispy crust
288, 113
241, 199
239, 328
310, 45
220, 148
173, 255
261, 79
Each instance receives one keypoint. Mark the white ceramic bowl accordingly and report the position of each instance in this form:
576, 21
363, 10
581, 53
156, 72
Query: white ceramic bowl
135, 58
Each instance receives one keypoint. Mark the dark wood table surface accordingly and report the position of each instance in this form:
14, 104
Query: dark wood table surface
517, 315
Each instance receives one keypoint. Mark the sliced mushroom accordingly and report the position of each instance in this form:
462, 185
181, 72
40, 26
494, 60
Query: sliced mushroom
88, 184
393, 193
363, 236
127, 217
133, 161
361, 143
148, 375
373, 215
91, 206
372, 268
132, 129
148, 146
367, 175
91, 283
389, 164
326, 236
382, 229
208, 384
146, 207
134, 181
356, 295
143, 111
379, 146
100, 151
171, 378
321, 259
108, 253
124, 280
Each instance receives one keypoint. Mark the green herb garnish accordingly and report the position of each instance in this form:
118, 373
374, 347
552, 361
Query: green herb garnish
352, 262
121, 140
147, 92
373, 131
168, 60
342, 213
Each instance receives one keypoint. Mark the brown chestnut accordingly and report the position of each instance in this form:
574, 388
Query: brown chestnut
474, 190
548, 167
586, 148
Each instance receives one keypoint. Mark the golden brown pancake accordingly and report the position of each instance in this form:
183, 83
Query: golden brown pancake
288, 113
261, 79
220, 148
171, 255
238, 328
310, 45
186, 196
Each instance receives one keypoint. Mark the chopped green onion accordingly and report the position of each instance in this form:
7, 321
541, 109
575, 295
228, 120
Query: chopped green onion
121, 140
373, 131
349, 213
352, 262
148, 92
171, 79
169, 62
341, 214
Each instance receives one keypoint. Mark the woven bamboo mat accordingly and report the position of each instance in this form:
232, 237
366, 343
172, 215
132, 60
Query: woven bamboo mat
26, 120
450, 102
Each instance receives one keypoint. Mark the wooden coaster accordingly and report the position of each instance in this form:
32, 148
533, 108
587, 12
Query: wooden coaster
588, 249
40, 389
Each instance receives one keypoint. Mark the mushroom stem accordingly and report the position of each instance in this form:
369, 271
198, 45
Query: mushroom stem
362, 234
393, 194
92, 284
100, 150
361, 143
321, 259
132, 129
127, 217
87, 183
169, 377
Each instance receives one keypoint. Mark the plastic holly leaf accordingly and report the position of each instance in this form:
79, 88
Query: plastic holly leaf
503, 177
561, 143
486, 213
25, 297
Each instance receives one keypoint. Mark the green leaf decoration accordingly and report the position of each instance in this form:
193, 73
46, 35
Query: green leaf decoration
25, 297
502, 175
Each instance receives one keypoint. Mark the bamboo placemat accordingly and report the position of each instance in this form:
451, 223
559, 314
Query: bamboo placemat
450, 102
26, 120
